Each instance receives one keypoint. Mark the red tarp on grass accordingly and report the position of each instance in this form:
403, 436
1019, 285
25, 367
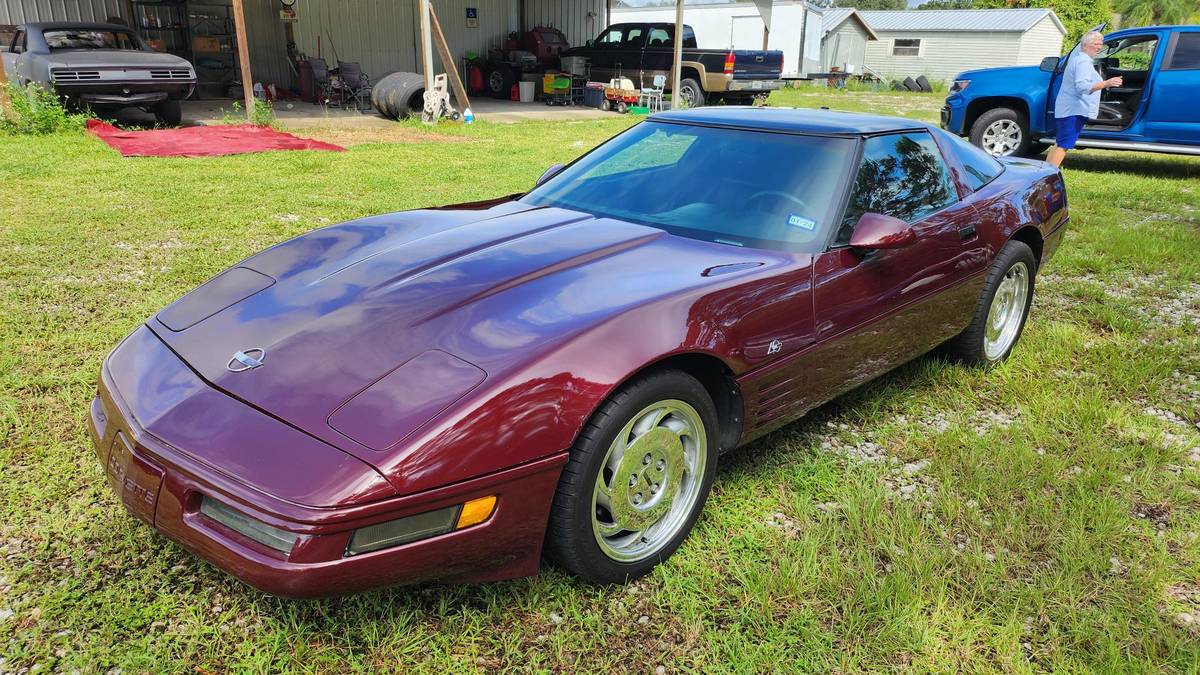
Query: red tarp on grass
208, 141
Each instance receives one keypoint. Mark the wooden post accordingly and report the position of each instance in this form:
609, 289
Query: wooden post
426, 45
243, 45
677, 59
439, 39
3, 91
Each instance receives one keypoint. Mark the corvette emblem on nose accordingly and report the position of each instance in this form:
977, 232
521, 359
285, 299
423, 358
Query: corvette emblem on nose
248, 359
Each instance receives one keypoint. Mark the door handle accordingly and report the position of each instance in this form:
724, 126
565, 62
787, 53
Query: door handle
966, 232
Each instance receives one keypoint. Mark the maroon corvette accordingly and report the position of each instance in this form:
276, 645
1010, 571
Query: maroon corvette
450, 393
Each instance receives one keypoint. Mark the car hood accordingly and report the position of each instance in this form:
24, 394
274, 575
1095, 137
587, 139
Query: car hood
1007, 74
99, 58
336, 310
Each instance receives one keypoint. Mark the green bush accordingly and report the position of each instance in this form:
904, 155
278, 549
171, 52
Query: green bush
263, 114
36, 110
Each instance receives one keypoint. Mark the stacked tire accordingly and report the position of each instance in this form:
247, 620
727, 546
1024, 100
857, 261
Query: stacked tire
399, 95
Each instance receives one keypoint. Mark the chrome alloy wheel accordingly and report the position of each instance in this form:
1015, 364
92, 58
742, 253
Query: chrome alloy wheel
649, 481
1002, 138
1007, 312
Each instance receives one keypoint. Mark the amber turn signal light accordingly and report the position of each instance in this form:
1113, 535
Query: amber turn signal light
476, 511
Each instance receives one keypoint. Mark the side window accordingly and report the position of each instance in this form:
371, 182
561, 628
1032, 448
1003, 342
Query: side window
979, 167
658, 38
901, 175
1187, 52
18, 43
906, 47
1129, 54
611, 38
633, 39
689, 38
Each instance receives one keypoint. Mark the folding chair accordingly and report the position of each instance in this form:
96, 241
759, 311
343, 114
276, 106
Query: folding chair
322, 83
652, 97
354, 83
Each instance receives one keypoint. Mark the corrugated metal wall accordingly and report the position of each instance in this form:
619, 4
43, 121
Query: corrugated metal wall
379, 34
268, 43
579, 20
23, 11
382, 34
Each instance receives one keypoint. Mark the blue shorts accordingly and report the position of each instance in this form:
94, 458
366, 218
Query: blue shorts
1066, 130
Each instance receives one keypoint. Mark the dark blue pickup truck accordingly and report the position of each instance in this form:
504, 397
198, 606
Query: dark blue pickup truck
1010, 111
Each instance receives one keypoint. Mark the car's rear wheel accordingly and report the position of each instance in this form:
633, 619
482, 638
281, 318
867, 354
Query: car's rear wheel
1001, 310
637, 479
168, 112
1002, 132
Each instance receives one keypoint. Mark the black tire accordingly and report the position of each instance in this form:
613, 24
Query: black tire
570, 540
1000, 115
168, 112
923, 84
911, 84
399, 95
498, 79
969, 346
897, 85
691, 92
622, 107
606, 105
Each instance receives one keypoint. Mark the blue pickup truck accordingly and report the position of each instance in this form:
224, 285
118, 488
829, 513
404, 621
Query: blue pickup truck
1010, 111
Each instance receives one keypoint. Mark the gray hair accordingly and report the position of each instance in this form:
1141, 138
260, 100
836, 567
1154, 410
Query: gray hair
1092, 36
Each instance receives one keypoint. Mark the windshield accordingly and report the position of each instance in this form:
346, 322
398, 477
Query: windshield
78, 38
729, 186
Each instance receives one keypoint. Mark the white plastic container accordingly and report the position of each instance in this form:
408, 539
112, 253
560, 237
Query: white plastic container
526, 91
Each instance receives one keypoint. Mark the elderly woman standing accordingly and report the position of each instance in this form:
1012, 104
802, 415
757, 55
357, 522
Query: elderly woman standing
1079, 97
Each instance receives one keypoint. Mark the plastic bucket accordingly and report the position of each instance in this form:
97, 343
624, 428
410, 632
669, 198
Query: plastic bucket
527, 89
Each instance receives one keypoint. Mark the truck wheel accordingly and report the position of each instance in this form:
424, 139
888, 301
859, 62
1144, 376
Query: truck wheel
1002, 132
399, 95
500, 79
691, 93
168, 112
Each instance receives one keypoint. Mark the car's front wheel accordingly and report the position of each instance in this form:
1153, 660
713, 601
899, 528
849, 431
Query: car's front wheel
1001, 310
168, 112
637, 479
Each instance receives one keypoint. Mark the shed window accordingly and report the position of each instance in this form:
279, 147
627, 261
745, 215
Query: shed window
906, 47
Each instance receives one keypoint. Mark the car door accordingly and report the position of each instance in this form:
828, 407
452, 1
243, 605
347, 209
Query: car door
1173, 115
13, 56
605, 52
627, 59
877, 309
1131, 58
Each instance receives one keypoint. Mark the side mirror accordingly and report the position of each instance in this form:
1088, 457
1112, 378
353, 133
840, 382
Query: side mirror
591, 43
875, 231
1049, 64
550, 173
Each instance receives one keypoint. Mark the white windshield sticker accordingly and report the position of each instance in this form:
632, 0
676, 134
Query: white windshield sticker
796, 220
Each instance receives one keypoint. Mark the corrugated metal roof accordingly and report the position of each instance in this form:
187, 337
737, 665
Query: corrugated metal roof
1003, 20
834, 16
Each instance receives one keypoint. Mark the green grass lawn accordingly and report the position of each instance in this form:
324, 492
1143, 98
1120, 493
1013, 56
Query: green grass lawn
1041, 516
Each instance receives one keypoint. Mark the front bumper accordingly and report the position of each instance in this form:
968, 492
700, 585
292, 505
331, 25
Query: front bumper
129, 93
953, 114
163, 485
